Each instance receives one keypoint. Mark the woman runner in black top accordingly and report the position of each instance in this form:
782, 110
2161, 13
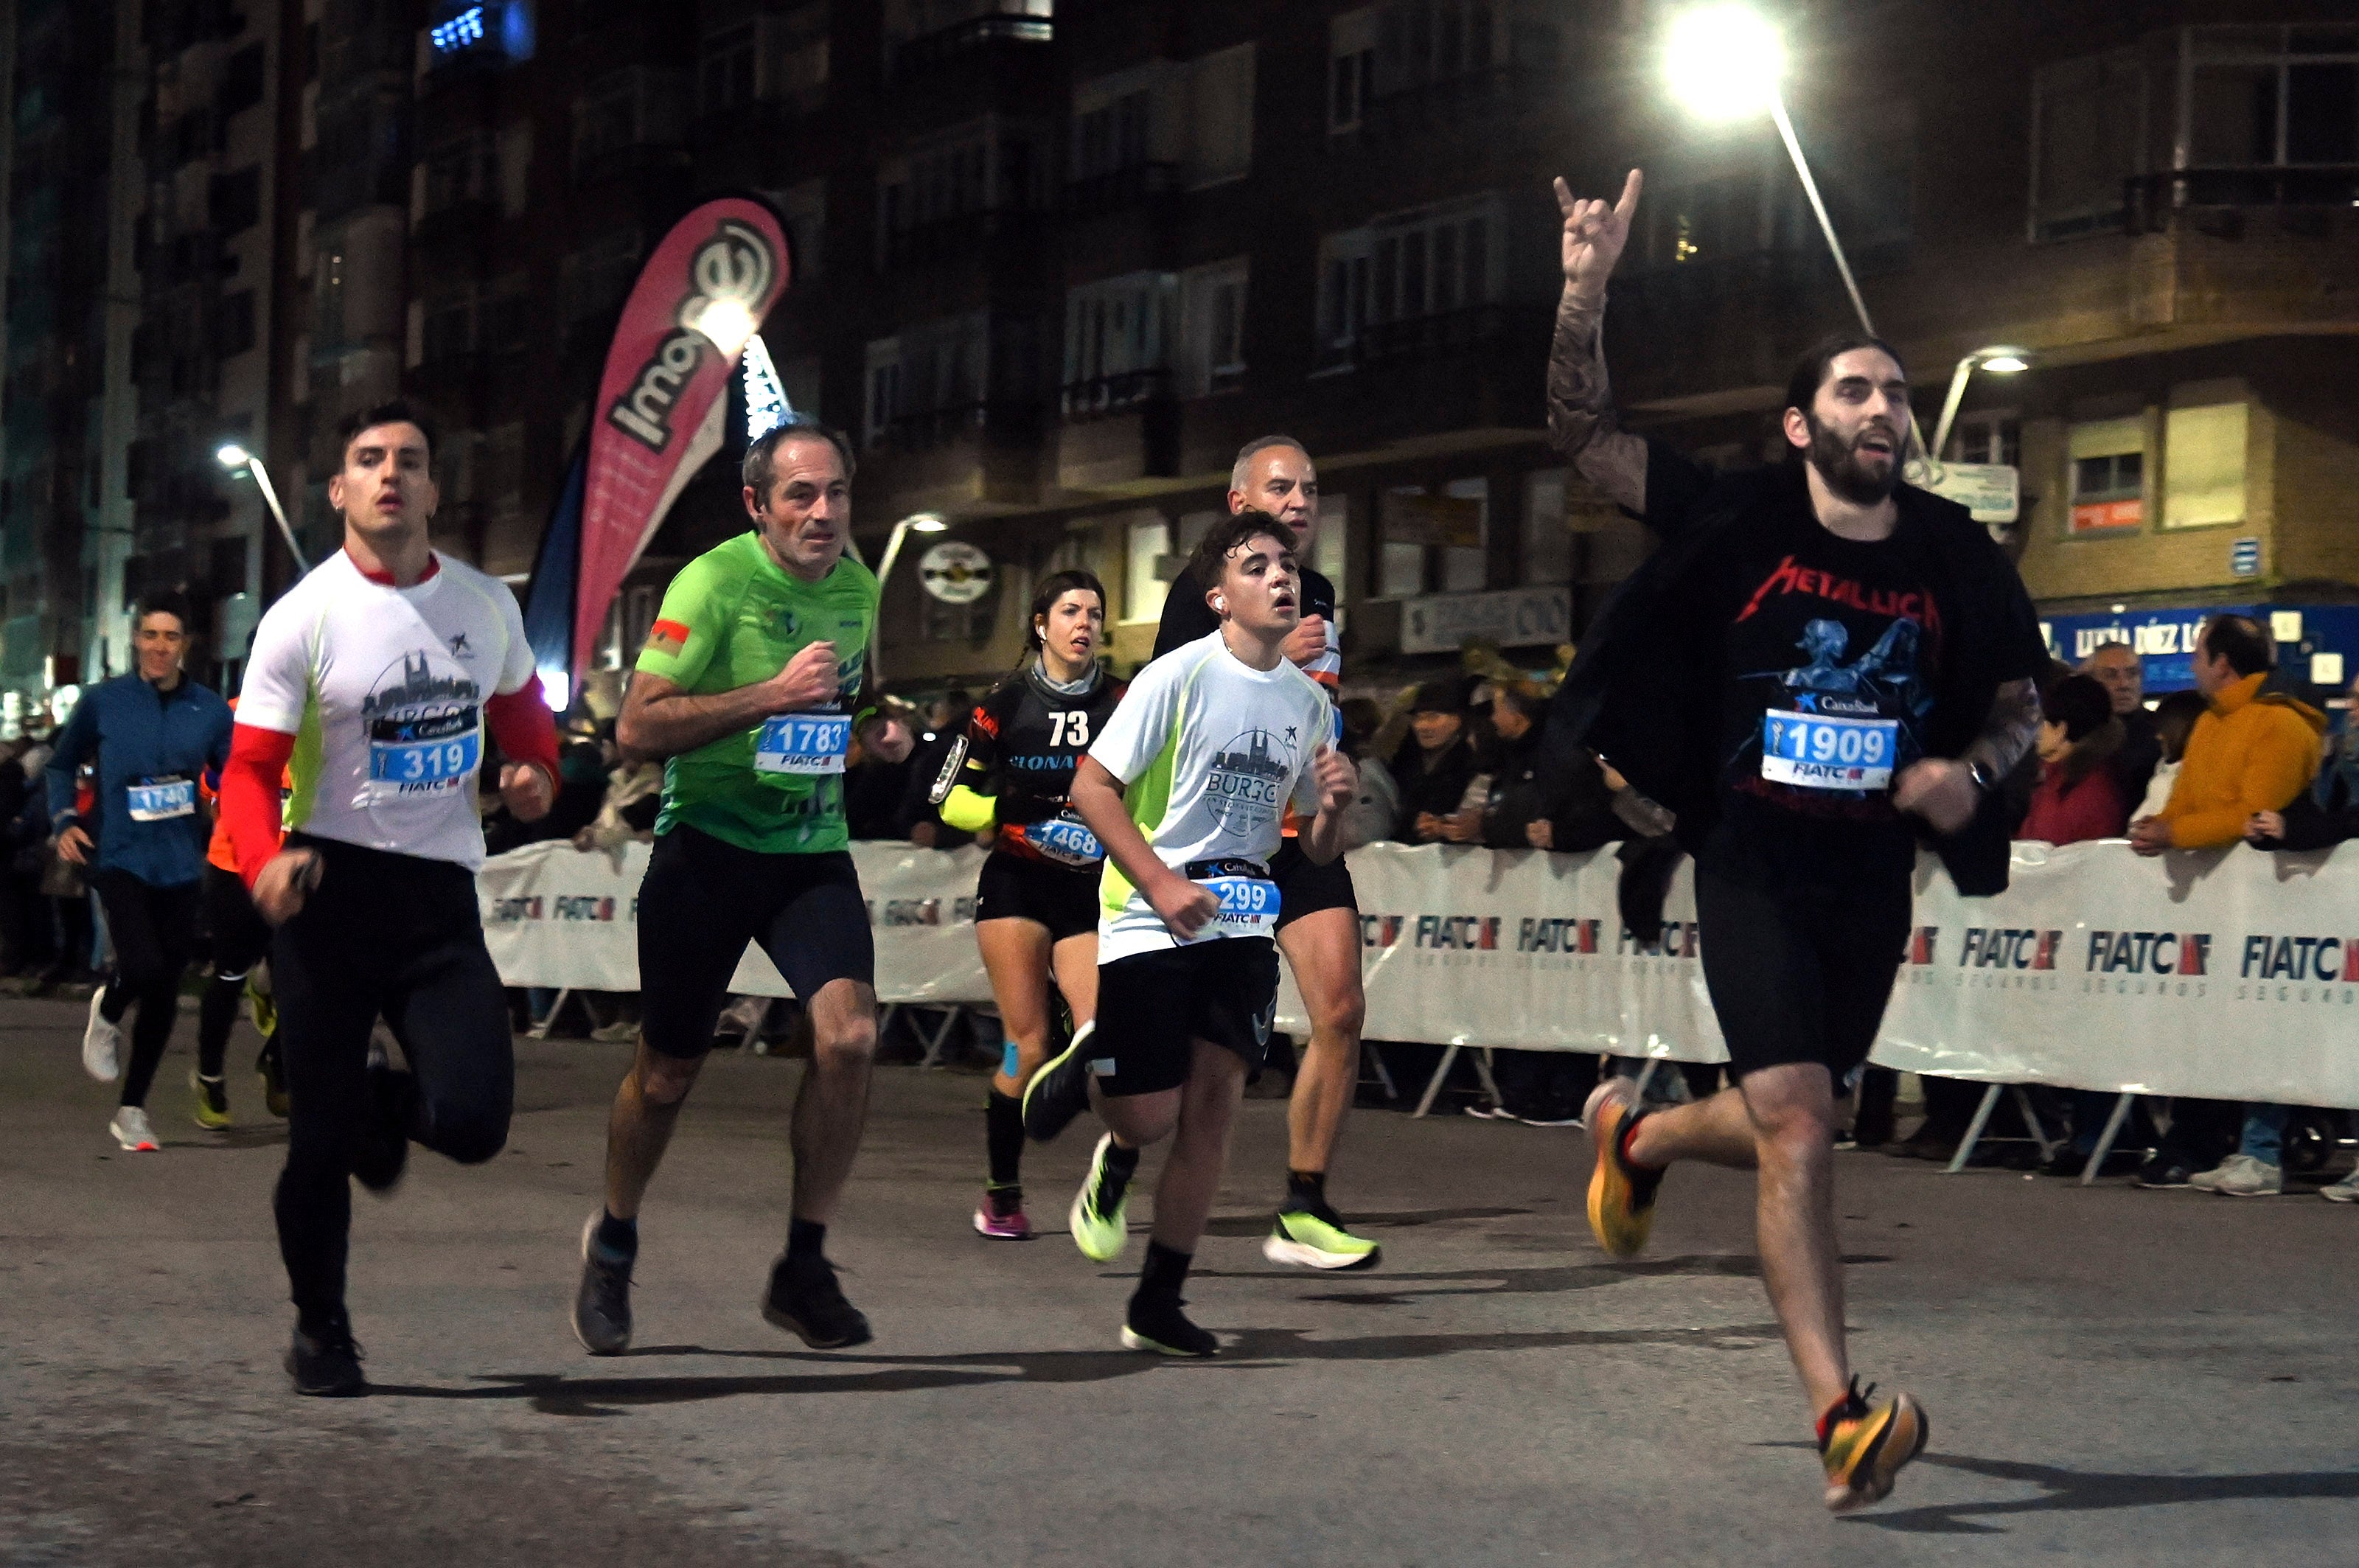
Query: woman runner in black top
1035, 912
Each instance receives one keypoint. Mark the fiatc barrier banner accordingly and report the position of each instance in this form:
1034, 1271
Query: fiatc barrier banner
659, 416
2230, 974
557, 917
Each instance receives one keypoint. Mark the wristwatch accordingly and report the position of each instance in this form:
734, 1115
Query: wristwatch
1983, 780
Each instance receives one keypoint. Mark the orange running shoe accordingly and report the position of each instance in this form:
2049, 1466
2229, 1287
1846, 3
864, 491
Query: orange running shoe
1620, 1194
1863, 1445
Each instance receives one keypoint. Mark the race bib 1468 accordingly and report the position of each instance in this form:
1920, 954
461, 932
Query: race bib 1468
803, 743
1064, 839
1817, 751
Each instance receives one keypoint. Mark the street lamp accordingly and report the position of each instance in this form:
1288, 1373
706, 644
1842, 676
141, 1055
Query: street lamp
1998, 359
234, 457
918, 523
1724, 61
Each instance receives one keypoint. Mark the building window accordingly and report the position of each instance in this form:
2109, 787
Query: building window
625, 108
1112, 136
1384, 289
1146, 545
2270, 96
2108, 463
729, 70
593, 279
234, 329
924, 200
1994, 437
1222, 89
1548, 541
930, 381
2088, 136
1351, 68
2203, 465
242, 80
456, 174
803, 211
234, 200
1117, 342
1213, 326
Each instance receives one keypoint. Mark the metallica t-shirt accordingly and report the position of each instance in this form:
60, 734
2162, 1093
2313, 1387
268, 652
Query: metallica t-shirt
1833, 657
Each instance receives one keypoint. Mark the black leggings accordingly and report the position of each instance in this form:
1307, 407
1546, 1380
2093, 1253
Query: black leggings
396, 936
155, 932
241, 940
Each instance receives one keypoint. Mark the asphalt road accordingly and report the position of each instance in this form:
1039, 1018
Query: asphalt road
2113, 1376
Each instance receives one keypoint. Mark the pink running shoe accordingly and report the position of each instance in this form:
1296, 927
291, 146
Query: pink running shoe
1001, 1217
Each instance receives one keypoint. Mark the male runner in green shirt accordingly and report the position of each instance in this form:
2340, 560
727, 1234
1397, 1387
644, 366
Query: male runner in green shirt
749, 688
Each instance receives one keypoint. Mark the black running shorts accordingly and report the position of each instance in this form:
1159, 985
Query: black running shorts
704, 899
1799, 975
1063, 898
1154, 1007
1305, 886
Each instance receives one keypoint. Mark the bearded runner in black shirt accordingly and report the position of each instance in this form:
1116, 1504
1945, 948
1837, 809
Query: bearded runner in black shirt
1820, 665
1318, 916
1036, 906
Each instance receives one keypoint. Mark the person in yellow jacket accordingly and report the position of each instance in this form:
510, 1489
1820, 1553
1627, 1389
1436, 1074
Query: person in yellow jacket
2251, 751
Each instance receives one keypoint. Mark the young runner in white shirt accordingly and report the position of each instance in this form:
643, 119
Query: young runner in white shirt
1186, 790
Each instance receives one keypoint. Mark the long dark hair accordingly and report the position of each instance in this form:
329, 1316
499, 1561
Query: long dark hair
1053, 588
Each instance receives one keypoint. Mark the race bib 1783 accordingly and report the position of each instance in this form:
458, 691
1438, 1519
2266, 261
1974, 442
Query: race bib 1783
803, 743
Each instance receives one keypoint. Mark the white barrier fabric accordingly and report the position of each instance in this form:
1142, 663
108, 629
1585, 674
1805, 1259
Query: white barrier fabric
2230, 974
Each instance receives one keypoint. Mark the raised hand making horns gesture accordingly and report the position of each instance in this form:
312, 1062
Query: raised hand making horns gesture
1594, 234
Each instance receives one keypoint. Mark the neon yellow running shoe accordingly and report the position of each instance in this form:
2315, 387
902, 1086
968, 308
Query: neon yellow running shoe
212, 1101
260, 1002
1315, 1239
1863, 1445
1099, 1231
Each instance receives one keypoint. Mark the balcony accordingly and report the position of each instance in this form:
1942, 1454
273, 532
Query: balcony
2308, 200
1003, 31
1115, 394
1444, 334
1456, 102
1118, 190
958, 237
936, 427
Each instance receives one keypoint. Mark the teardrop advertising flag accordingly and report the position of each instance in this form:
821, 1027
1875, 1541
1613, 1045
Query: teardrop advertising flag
701, 296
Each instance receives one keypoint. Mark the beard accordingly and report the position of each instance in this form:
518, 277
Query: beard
1838, 462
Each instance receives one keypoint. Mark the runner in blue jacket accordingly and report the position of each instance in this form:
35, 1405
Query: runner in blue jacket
151, 733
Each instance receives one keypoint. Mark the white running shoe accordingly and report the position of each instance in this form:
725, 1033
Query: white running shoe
102, 1043
2343, 1191
2242, 1176
131, 1130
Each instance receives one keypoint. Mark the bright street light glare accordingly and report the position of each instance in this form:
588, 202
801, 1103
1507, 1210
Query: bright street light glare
2005, 364
727, 323
232, 455
1722, 61
927, 523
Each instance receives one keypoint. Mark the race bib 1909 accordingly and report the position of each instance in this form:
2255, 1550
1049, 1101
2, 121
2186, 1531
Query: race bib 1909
1817, 751
1064, 839
803, 743
161, 799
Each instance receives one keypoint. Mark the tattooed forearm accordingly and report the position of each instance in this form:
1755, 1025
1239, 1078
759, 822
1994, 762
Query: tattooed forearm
2010, 732
1581, 414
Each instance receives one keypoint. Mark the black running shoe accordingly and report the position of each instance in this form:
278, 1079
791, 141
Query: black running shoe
602, 1307
1160, 1326
381, 1148
804, 1299
2165, 1171
273, 1073
326, 1364
1061, 1090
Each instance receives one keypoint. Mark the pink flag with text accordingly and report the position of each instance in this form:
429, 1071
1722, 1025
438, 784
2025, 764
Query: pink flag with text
701, 294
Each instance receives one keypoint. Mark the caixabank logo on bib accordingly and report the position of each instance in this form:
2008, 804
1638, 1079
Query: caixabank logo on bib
2147, 963
1245, 784
2278, 967
422, 717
